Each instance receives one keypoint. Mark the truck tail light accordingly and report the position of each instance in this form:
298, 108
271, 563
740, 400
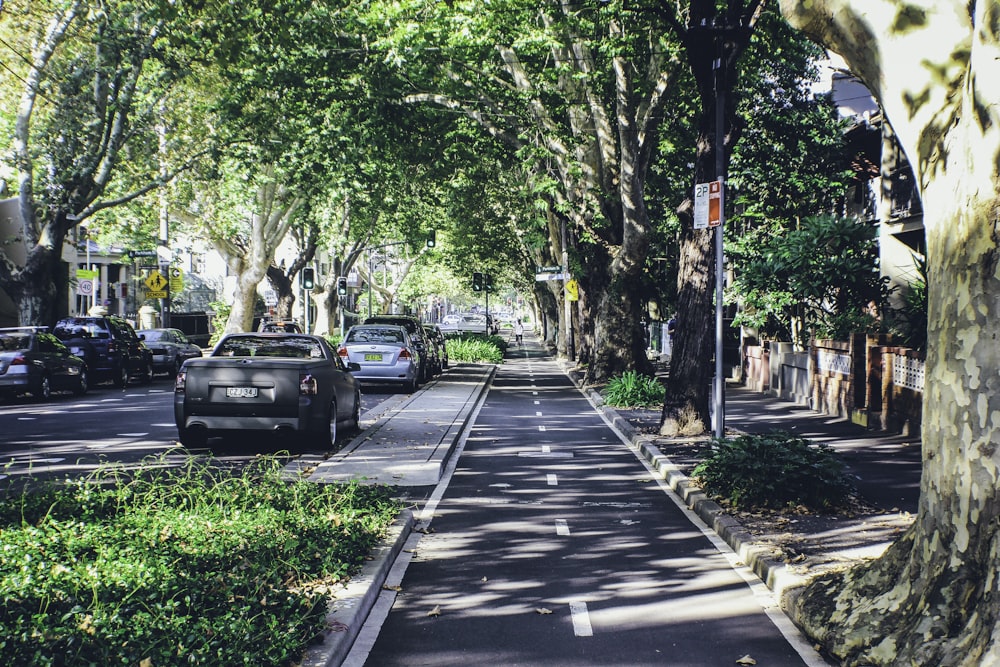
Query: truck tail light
308, 386
179, 382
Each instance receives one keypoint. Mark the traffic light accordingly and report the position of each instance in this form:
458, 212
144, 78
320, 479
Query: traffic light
489, 282
342, 286
308, 277
477, 282
432, 239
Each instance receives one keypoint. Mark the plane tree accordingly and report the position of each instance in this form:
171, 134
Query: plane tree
90, 88
931, 599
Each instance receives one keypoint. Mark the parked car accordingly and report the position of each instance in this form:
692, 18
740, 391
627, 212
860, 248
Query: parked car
435, 334
285, 384
384, 352
279, 326
170, 348
34, 361
110, 347
428, 361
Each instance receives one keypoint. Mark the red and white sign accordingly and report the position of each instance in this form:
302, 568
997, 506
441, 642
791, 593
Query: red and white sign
708, 204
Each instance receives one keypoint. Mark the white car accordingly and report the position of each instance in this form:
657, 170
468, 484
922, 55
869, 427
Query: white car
384, 352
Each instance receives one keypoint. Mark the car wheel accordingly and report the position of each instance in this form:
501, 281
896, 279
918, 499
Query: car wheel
121, 376
82, 383
193, 438
147, 373
327, 437
410, 386
43, 391
355, 421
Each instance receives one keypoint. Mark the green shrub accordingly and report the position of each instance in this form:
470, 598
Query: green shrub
773, 470
476, 348
634, 390
182, 566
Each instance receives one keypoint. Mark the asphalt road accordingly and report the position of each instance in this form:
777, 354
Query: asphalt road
71, 435
552, 544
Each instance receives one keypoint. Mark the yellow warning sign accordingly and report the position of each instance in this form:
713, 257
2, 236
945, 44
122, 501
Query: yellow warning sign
156, 282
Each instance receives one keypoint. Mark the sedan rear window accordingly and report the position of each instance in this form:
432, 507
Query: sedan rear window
375, 335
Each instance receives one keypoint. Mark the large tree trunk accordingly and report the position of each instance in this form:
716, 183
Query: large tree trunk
934, 597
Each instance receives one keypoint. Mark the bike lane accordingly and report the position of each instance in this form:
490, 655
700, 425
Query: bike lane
553, 544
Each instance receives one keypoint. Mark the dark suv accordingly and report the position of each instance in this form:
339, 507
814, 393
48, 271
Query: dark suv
110, 347
430, 365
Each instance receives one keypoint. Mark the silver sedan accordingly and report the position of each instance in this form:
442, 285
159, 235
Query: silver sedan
385, 354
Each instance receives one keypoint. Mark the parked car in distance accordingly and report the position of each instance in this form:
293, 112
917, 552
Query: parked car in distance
291, 385
384, 352
109, 346
428, 362
170, 348
34, 361
279, 326
435, 334
467, 323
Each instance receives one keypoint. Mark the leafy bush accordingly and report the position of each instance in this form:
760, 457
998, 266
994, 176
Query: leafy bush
634, 390
476, 348
773, 470
190, 566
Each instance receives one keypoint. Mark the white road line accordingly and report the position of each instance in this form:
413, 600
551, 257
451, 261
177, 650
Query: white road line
541, 428
546, 449
581, 619
132, 435
534, 393
551, 480
562, 528
538, 402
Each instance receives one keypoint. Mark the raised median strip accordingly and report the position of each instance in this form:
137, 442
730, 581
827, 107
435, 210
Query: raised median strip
410, 443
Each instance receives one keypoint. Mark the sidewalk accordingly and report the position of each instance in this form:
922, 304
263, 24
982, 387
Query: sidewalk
411, 440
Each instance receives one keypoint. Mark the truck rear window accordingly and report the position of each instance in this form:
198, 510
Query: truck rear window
289, 347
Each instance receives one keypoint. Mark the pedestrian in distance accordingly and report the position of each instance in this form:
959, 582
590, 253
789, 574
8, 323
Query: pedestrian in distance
518, 332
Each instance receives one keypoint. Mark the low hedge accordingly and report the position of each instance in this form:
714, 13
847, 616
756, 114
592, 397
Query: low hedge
773, 470
475, 348
195, 566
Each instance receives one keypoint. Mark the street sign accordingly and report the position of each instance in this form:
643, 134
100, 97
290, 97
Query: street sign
156, 283
708, 204
142, 253
549, 269
572, 290
176, 280
156, 294
542, 277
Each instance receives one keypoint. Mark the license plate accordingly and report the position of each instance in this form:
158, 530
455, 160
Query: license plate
241, 392
373, 357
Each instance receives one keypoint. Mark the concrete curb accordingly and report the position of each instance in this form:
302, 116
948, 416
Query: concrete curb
350, 607
774, 573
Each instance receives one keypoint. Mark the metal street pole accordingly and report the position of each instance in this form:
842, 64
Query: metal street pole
720, 166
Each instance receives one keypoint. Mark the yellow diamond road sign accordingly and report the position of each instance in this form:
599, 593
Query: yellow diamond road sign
156, 282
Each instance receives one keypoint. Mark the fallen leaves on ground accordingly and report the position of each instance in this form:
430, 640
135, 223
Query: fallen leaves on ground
435, 612
746, 660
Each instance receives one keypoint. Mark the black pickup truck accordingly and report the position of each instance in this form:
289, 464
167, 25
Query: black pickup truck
293, 385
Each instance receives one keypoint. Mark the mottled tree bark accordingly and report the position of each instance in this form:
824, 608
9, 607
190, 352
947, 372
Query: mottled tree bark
933, 598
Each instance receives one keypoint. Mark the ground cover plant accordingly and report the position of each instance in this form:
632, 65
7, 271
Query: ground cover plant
192, 565
633, 390
476, 348
773, 470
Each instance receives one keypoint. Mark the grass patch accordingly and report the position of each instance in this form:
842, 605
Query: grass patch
195, 566
773, 470
634, 390
476, 348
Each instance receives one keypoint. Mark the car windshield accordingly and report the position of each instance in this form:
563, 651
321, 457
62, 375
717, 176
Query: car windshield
152, 334
15, 341
375, 335
292, 347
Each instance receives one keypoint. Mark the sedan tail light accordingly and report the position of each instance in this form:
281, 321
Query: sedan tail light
308, 386
342, 353
19, 360
405, 354
180, 381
